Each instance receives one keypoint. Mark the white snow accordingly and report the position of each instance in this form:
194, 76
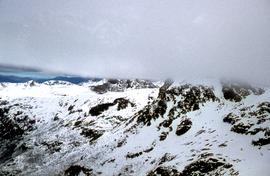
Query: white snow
51, 100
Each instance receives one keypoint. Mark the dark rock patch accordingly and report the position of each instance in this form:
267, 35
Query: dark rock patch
13, 126
251, 121
185, 98
166, 158
261, 141
8, 128
137, 154
6, 150
119, 85
121, 103
163, 136
70, 108
164, 171
77, 170
193, 96
183, 127
8, 173
241, 128
263, 108
134, 155
78, 123
122, 142
199, 132
237, 91
92, 134
207, 166
148, 150
166, 123
99, 109
222, 145
231, 118
101, 89
53, 146
145, 115
230, 94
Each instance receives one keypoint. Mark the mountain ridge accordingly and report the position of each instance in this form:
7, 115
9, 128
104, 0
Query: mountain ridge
207, 128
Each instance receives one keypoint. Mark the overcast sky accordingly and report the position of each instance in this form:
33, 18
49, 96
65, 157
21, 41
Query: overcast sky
139, 38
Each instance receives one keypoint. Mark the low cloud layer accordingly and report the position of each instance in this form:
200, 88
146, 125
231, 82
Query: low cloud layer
139, 39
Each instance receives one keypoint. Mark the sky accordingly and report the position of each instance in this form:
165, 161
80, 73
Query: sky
154, 39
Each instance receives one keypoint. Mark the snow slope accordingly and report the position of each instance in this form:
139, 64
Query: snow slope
202, 128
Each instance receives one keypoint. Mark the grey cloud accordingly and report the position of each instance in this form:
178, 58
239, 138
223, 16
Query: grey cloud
145, 39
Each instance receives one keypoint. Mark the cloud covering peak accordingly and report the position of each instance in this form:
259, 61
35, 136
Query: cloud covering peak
145, 39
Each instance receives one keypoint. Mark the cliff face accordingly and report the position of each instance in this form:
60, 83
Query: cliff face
134, 128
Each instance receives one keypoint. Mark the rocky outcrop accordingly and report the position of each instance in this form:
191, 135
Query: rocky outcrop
237, 91
13, 125
92, 134
176, 133
77, 170
120, 85
164, 171
202, 166
190, 98
56, 82
52, 146
183, 127
209, 166
121, 103
251, 121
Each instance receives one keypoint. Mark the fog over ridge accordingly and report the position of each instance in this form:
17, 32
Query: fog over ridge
139, 39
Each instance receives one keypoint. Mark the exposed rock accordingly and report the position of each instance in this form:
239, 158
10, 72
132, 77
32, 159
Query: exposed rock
146, 115
137, 154
121, 142
163, 136
99, 109
251, 121
13, 125
121, 103
101, 89
231, 118
164, 171
32, 83
8, 128
70, 108
77, 170
194, 96
53, 146
56, 82
166, 123
261, 141
163, 89
166, 158
203, 166
237, 91
117, 85
230, 94
91, 134
183, 127
134, 155
190, 99
241, 128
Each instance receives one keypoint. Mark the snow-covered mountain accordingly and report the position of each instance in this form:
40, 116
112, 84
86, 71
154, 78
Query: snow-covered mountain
134, 127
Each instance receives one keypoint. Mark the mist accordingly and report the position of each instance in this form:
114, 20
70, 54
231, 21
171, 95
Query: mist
154, 39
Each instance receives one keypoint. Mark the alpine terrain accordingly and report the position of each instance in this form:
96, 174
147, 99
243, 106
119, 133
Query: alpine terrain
134, 127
